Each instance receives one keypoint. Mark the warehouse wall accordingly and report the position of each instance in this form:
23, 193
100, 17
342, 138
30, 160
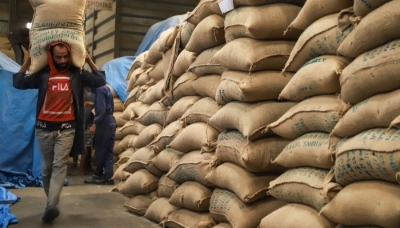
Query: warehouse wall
14, 14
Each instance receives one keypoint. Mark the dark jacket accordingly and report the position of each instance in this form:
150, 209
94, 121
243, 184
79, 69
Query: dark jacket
103, 106
78, 81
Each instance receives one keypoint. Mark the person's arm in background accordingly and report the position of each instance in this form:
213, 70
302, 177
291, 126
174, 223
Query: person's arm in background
22, 81
100, 108
93, 79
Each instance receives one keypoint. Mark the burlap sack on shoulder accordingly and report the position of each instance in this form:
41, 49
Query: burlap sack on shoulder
395, 123
250, 87
259, 55
265, 2
166, 159
148, 135
249, 118
120, 174
183, 61
362, 7
204, 9
366, 203
201, 111
180, 107
315, 114
132, 127
318, 76
157, 71
261, 22
255, 156
197, 136
156, 113
252, 186
300, 216
309, 150
193, 196
186, 218
186, 30
138, 204
141, 159
207, 86
166, 136
159, 210
371, 155
366, 37
140, 182
322, 37
166, 187
205, 64
225, 206
371, 73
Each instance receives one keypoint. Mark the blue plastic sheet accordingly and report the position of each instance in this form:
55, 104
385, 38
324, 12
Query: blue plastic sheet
20, 159
6, 199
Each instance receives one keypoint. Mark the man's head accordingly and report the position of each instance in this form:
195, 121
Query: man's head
61, 56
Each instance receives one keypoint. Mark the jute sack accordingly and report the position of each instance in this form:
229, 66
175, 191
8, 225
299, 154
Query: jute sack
148, 135
193, 166
153, 93
395, 123
201, 111
193, 196
183, 218
371, 73
204, 9
316, 9
186, 30
322, 37
366, 37
118, 135
318, 76
254, 156
222, 225
252, 186
166, 136
253, 87
363, 7
125, 155
259, 55
114, 94
249, 118
117, 188
225, 206
166, 159
265, 2
207, 86
120, 122
166, 187
167, 38
140, 109
133, 77
128, 113
132, 127
10, 54
205, 64
309, 150
157, 72
300, 216
133, 95
261, 22
379, 110
138, 204
124, 143
159, 210
141, 159
183, 61
197, 136
315, 114
140, 182
154, 55
182, 87
301, 185
144, 79
120, 174
117, 149
156, 113
371, 155
118, 105
137, 63
180, 107
366, 203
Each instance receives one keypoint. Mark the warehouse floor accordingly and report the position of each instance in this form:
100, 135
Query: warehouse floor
81, 206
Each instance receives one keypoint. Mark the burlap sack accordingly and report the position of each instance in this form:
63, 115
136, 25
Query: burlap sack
395, 123
125, 155
252, 186
253, 87
322, 37
133, 77
114, 94
222, 225
207, 86
371, 155
140, 182
306, 82
204, 9
118, 105
166, 136
120, 122
156, 113
159, 210
363, 7
148, 135
166, 159
301, 185
157, 72
138, 204
139, 108
124, 143
145, 79
255, 156
182, 87
379, 110
186, 30
249, 118
153, 93
197, 136
259, 55
131, 127
183, 61
371, 73
315, 114
117, 149
205, 64
120, 174
193, 166
137, 63
166, 39
366, 37
117, 188
133, 95
154, 55
118, 135
225, 206
166, 187
300, 216
193, 196
128, 113
261, 22
366, 203
201, 111
141, 159
186, 218
180, 107
309, 150
265, 2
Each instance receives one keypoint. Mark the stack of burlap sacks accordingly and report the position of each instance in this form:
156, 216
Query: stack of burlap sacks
6, 48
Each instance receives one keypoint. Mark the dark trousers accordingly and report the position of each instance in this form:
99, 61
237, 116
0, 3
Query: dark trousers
104, 140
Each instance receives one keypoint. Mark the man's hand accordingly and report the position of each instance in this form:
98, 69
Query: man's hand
90, 62
92, 129
26, 63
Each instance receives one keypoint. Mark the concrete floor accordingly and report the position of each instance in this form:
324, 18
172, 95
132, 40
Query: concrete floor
81, 206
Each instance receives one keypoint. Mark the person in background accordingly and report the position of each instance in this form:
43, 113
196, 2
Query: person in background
85, 165
103, 129
19, 38
59, 115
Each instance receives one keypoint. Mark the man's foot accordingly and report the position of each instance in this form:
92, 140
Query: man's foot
51, 213
93, 180
105, 181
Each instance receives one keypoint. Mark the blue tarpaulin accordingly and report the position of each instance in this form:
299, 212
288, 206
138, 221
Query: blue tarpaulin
6, 199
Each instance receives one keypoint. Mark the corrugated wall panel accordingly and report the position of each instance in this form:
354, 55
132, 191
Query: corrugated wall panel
4, 17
